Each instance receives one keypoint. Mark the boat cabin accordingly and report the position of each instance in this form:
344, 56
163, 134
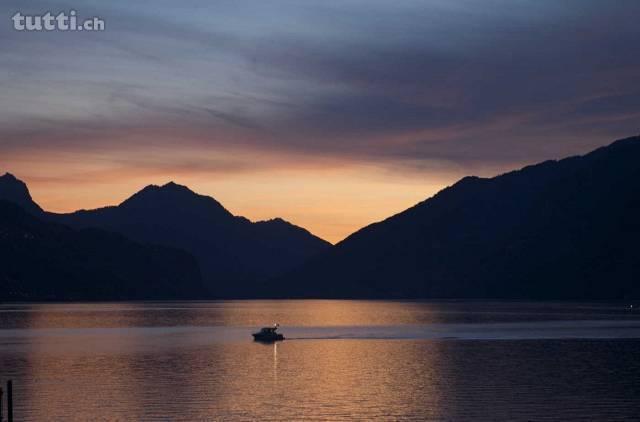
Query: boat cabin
268, 334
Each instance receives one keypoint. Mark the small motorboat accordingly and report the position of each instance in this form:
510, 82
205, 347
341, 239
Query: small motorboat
268, 334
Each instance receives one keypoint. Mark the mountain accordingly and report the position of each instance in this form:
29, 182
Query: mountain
563, 229
16, 191
48, 261
236, 256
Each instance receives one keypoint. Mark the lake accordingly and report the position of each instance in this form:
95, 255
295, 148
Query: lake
383, 360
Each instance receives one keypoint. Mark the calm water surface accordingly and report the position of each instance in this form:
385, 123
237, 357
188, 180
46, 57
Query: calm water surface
364, 360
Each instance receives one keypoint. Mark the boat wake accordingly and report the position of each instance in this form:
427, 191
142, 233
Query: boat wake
475, 331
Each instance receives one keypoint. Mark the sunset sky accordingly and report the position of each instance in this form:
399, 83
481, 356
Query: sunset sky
330, 114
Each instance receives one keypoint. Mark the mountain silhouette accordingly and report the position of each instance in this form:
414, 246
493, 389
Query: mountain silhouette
236, 256
563, 229
48, 261
16, 191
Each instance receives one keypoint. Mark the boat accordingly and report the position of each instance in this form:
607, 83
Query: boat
268, 334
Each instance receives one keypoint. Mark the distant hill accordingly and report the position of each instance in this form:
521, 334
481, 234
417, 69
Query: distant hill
47, 261
565, 229
557, 230
236, 256
16, 191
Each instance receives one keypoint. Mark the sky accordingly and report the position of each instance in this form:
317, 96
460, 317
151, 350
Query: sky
331, 114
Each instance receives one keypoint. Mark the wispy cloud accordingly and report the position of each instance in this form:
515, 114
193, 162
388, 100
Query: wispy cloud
407, 86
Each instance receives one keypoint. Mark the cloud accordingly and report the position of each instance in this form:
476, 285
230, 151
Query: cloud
397, 83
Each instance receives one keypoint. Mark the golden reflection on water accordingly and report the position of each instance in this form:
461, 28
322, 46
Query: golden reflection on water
76, 376
275, 361
71, 370
174, 362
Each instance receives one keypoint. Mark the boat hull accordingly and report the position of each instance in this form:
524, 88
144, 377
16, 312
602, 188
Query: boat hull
267, 338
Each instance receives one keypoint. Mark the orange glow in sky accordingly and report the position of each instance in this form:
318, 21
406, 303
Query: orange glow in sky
330, 202
331, 115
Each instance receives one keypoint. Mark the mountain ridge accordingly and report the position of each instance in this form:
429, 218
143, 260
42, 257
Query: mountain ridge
560, 229
235, 255
492, 237
48, 261
15, 190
